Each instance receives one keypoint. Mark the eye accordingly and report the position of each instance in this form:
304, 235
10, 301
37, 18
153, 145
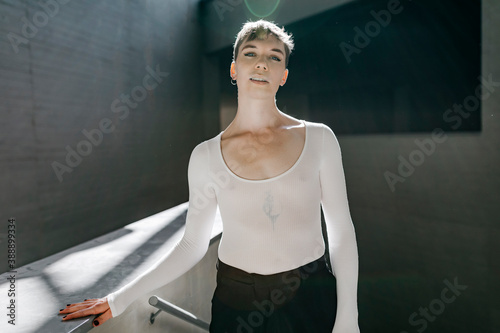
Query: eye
252, 54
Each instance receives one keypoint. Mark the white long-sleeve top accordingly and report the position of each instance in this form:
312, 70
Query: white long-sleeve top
269, 226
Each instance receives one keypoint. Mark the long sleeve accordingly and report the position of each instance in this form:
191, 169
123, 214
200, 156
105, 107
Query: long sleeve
341, 234
193, 245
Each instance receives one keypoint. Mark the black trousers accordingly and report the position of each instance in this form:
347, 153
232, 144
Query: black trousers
302, 300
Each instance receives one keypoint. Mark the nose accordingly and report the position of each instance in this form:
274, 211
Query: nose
261, 64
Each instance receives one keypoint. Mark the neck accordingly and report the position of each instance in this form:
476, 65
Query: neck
254, 114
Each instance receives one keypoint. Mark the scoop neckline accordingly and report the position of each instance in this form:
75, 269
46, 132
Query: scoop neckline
289, 170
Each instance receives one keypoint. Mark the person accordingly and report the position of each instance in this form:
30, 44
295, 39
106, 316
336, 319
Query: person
270, 174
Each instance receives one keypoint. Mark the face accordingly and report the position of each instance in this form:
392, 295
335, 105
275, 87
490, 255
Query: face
260, 66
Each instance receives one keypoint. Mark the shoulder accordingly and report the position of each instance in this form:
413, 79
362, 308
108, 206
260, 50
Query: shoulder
323, 138
315, 126
200, 161
203, 148
320, 130
201, 154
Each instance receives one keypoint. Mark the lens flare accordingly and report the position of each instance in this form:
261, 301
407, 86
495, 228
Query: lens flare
262, 8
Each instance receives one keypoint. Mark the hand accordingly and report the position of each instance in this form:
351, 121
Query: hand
88, 307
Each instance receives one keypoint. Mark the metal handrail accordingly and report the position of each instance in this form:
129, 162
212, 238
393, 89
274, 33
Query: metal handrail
162, 305
176, 311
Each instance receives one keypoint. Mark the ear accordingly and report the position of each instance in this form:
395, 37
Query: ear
232, 71
285, 76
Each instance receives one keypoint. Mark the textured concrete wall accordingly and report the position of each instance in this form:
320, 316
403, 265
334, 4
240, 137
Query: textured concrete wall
441, 223
125, 73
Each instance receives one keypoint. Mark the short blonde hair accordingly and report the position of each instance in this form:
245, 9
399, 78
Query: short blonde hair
261, 29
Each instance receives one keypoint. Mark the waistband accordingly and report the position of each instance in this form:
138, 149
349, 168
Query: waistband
225, 270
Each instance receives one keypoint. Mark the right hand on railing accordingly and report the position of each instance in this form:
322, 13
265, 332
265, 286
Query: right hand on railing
88, 307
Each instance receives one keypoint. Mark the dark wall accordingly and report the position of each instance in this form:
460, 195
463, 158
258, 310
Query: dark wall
396, 76
79, 66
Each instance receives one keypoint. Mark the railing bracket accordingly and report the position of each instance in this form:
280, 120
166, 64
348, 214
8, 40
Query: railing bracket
176, 311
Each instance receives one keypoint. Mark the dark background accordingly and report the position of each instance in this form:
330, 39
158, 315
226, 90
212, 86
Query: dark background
426, 59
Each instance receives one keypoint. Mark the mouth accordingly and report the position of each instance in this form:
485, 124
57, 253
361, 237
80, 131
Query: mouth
258, 80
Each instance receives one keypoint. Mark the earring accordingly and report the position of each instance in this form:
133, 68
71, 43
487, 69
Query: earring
233, 81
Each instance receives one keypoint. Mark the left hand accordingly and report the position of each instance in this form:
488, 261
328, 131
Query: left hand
88, 307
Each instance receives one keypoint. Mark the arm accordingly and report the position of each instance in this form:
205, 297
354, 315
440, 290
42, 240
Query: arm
190, 249
341, 235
